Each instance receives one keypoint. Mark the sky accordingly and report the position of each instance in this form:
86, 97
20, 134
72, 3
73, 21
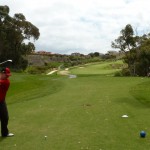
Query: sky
82, 26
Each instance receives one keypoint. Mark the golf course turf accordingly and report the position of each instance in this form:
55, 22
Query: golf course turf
83, 113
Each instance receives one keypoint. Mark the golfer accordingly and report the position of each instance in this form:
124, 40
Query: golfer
4, 85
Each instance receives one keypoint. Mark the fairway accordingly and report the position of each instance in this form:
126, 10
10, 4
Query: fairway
102, 68
83, 113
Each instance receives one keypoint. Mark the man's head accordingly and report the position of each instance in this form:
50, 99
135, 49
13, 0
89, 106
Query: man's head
5, 73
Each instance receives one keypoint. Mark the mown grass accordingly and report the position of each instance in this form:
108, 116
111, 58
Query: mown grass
102, 68
80, 113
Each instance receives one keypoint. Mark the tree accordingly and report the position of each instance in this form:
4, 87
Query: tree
136, 49
95, 54
13, 33
143, 56
126, 41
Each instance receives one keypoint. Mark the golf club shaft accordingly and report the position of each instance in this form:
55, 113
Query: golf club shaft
5, 62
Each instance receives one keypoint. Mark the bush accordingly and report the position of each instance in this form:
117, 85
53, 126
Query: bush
123, 72
53, 64
36, 69
118, 74
126, 72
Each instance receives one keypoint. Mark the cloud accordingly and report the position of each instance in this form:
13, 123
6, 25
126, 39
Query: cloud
68, 26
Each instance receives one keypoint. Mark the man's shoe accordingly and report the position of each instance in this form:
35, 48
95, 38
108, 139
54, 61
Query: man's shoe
10, 135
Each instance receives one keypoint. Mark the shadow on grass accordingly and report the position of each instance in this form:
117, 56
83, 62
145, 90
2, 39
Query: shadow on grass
132, 102
2, 139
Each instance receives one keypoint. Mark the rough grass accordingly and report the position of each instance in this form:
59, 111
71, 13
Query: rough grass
142, 92
80, 113
29, 87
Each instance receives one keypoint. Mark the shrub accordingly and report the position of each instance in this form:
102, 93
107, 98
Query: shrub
118, 74
126, 72
36, 69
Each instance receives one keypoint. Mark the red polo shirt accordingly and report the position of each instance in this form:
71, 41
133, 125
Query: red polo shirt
4, 85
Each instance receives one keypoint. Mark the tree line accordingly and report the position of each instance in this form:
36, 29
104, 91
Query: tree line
136, 49
16, 32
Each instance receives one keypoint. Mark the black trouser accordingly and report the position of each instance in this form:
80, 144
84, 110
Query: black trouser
4, 118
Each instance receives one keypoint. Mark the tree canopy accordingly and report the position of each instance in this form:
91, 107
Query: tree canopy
15, 33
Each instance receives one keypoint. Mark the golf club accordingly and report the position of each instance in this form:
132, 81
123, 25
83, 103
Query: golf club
5, 61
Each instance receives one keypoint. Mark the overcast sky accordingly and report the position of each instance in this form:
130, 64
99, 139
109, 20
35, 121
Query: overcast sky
84, 26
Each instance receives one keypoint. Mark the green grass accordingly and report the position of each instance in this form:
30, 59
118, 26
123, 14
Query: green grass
30, 87
77, 114
102, 68
141, 92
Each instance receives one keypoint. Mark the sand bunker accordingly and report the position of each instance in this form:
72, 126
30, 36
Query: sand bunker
52, 72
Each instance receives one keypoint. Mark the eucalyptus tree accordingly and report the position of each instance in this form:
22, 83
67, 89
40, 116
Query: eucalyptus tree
14, 31
126, 43
126, 40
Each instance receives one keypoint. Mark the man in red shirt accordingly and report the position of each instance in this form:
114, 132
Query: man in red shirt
4, 85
